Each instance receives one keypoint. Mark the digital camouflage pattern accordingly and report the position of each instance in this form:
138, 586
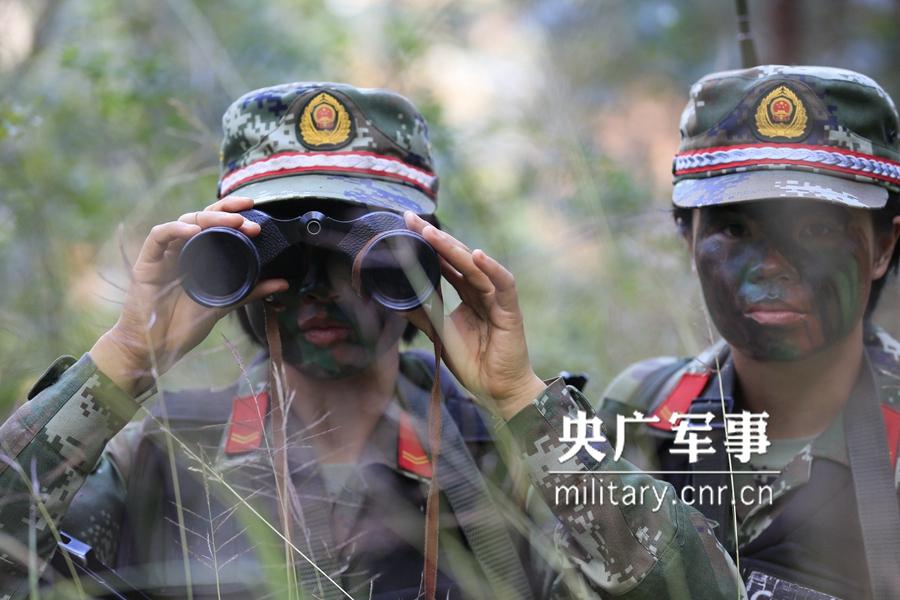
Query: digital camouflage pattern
626, 552
778, 131
597, 535
58, 436
328, 140
627, 393
102, 483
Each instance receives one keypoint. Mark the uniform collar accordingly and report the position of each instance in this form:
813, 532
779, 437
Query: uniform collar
397, 442
829, 444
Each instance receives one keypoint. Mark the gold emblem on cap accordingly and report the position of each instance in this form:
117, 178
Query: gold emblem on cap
324, 122
781, 114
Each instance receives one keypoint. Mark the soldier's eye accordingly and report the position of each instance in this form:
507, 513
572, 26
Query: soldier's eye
734, 230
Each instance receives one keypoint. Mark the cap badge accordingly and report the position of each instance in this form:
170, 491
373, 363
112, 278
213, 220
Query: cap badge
781, 114
325, 123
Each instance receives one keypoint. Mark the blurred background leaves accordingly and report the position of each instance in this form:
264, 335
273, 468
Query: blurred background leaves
554, 124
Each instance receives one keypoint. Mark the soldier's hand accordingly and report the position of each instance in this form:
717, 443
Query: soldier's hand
484, 337
159, 323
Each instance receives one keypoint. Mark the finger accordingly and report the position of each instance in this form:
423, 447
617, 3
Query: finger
448, 269
173, 251
207, 219
231, 204
176, 245
446, 238
458, 256
453, 276
161, 236
414, 222
419, 225
503, 280
469, 296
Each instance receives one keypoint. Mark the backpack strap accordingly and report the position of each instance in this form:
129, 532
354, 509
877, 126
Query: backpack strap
688, 387
198, 416
686, 380
876, 499
202, 406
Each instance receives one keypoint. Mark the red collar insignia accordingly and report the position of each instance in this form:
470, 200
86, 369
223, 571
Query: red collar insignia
411, 456
248, 417
892, 424
679, 400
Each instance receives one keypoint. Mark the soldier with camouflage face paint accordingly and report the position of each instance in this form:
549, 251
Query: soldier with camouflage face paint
186, 501
786, 191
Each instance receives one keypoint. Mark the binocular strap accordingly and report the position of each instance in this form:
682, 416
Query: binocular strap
282, 476
276, 392
312, 568
356, 267
432, 506
873, 482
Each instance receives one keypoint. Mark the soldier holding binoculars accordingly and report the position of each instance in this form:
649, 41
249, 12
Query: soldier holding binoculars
324, 460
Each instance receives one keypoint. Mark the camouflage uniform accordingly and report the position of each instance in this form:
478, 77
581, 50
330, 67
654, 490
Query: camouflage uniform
189, 476
839, 559
763, 133
626, 552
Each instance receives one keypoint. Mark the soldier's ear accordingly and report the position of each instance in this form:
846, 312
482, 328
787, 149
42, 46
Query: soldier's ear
251, 321
884, 249
684, 219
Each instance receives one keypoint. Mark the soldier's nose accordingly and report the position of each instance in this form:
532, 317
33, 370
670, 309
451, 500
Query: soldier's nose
773, 266
316, 284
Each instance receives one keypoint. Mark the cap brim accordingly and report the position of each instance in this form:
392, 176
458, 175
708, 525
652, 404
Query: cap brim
767, 185
354, 190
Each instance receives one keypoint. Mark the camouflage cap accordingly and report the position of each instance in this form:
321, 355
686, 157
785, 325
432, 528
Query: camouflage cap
787, 132
328, 140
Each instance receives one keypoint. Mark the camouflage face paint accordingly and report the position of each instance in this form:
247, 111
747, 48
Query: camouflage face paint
783, 279
327, 331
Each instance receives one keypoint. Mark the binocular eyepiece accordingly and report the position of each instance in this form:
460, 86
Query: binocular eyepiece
392, 265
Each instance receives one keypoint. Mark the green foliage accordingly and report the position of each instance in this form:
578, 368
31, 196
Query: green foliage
113, 118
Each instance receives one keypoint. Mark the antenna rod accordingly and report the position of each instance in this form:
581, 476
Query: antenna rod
745, 37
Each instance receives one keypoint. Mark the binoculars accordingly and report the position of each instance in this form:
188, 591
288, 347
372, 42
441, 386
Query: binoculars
389, 263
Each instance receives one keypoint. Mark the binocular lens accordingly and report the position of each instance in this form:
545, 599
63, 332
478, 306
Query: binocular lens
220, 267
400, 270
394, 266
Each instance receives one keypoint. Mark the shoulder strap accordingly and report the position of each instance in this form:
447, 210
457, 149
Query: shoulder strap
684, 391
876, 499
688, 387
468, 496
198, 415
195, 405
468, 416
646, 393
649, 389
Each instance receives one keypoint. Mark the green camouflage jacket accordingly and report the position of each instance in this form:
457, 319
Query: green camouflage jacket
649, 386
70, 464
